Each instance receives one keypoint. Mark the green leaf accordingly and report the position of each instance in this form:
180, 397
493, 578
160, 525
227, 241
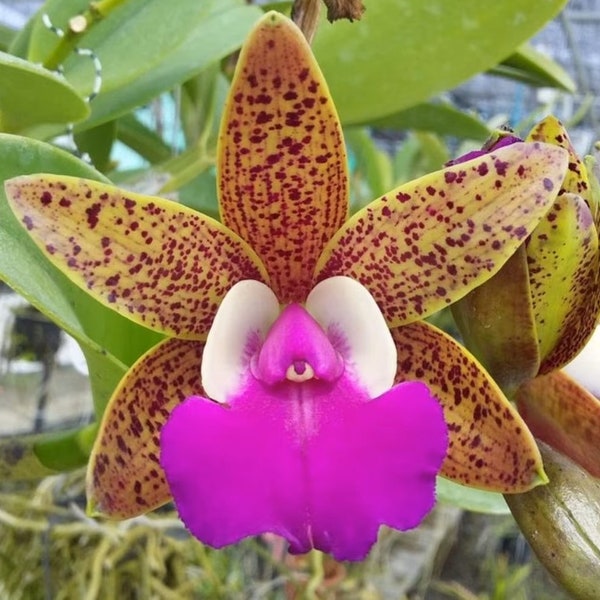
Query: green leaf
436, 117
419, 154
110, 342
372, 168
7, 35
145, 141
30, 95
20, 42
469, 498
145, 47
34, 456
97, 143
403, 52
531, 66
201, 193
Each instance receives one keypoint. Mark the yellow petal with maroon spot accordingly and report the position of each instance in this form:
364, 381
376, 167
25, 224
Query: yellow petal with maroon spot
490, 446
124, 477
566, 416
563, 261
432, 240
162, 265
550, 130
497, 324
283, 183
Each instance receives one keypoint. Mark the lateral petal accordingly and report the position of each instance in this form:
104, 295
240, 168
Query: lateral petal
124, 477
353, 322
490, 446
240, 327
432, 240
160, 264
282, 175
551, 131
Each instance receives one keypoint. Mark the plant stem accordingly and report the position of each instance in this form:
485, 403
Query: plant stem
95, 13
305, 13
317, 577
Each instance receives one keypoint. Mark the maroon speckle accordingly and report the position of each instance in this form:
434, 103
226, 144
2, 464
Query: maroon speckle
500, 166
520, 232
92, 215
46, 198
450, 176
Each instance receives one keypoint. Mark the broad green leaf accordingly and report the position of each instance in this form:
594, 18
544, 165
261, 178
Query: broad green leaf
560, 522
31, 95
145, 141
490, 447
439, 118
200, 193
145, 47
531, 66
20, 42
563, 414
97, 143
371, 167
109, 341
420, 153
469, 498
35, 456
66, 450
403, 52
7, 35
202, 102
201, 105
124, 477
430, 241
497, 324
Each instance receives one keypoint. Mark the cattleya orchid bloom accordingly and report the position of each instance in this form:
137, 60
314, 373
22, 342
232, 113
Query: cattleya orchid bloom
286, 396
537, 313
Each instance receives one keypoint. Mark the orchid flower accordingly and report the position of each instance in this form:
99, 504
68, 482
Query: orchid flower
537, 313
287, 395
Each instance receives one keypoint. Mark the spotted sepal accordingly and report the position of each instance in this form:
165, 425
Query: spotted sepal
551, 131
163, 265
432, 240
282, 175
124, 476
563, 261
563, 414
490, 447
